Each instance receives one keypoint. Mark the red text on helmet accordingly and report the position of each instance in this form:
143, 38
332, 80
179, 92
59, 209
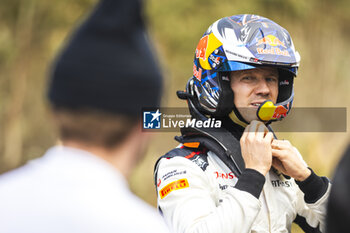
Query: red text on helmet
197, 73
202, 47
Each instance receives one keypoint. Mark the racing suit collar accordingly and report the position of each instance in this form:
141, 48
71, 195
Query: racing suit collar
234, 128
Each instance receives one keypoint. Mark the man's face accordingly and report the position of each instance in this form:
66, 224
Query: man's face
252, 87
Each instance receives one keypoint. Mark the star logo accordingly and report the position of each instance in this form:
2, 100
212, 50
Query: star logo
156, 115
151, 119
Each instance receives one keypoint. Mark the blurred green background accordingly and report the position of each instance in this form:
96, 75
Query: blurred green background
33, 31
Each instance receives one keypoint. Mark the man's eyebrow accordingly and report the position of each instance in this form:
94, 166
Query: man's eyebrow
244, 72
249, 72
272, 74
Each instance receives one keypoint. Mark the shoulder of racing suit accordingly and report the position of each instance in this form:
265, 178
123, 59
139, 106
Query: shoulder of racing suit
197, 142
196, 155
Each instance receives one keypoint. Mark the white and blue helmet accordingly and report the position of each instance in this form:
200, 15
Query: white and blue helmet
239, 42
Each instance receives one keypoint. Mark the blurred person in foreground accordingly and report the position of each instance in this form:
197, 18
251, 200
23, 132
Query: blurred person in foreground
237, 177
98, 85
338, 209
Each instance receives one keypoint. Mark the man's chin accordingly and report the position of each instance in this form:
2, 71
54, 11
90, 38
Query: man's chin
248, 114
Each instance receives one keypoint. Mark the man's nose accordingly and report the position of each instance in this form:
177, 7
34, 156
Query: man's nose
262, 88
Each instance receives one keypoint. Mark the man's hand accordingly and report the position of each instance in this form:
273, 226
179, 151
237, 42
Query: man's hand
287, 160
256, 147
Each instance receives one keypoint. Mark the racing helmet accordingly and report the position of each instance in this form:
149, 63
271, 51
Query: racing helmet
240, 42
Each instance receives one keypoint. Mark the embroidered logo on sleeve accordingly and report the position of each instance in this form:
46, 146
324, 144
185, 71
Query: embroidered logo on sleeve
179, 184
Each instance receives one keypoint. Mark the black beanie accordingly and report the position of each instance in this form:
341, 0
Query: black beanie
108, 63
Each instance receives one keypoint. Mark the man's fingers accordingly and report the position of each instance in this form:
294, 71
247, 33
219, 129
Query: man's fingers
261, 131
276, 163
269, 137
245, 133
253, 126
252, 130
256, 129
247, 129
280, 154
280, 144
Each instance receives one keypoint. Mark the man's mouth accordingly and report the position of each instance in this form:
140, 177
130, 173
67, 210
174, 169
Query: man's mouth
256, 104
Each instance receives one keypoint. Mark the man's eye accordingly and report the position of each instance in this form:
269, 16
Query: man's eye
248, 78
272, 79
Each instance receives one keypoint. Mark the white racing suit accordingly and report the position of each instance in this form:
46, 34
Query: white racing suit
198, 193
